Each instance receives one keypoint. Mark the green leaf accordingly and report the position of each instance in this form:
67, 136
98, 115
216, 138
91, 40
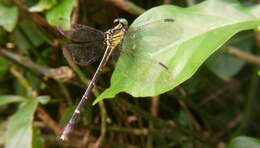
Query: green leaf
8, 17
7, 99
33, 33
20, 128
244, 142
182, 46
22, 42
3, 36
4, 66
38, 140
2, 131
60, 14
42, 5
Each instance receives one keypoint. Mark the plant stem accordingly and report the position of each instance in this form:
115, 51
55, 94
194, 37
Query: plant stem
128, 6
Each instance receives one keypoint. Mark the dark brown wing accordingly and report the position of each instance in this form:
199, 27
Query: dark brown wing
81, 33
83, 53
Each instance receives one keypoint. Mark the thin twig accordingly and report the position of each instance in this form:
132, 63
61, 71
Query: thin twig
231, 124
75, 68
38, 19
154, 112
85, 139
21, 79
167, 1
49, 121
190, 116
216, 95
75, 15
191, 2
134, 131
127, 6
62, 73
257, 37
155, 106
102, 136
170, 126
66, 93
44, 116
249, 58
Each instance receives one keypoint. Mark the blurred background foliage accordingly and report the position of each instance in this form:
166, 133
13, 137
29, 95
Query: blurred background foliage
39, 89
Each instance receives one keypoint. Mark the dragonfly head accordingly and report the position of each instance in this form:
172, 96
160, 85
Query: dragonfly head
122, 21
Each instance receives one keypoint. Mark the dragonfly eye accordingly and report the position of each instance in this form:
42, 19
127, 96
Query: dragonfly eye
122, 21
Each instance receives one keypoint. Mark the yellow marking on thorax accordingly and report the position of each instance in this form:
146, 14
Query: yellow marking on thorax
117, 38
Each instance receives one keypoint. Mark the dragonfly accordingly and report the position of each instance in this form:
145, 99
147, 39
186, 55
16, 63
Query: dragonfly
85, 42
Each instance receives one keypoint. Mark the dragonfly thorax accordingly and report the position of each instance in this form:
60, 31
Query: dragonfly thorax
114, 36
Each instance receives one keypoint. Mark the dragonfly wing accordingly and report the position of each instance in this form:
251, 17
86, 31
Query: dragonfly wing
140, 26
141, 61
152, 36
149, 71
82, 33
83, 53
